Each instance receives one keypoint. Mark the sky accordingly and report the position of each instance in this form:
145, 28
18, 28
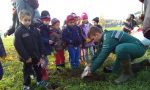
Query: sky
109, 9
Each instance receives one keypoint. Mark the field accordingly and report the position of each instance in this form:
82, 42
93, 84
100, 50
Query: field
12, 79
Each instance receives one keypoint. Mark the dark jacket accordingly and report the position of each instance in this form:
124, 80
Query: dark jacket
99, 26
71, 36
56, 36
28, 43
44, 31
2, 49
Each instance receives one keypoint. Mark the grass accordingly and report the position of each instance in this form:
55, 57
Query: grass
114, 28
12, 79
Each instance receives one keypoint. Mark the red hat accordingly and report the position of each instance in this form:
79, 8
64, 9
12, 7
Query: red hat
84, 16
69, 18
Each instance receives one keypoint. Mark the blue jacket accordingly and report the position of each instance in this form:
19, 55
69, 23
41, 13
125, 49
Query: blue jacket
71, 36
45, 34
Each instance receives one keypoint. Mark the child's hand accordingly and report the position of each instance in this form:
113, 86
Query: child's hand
42, 62
29, 60
88, 40
3, 57
51, 42
5, 34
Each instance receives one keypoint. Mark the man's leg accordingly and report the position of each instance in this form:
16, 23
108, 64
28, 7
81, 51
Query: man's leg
124, 53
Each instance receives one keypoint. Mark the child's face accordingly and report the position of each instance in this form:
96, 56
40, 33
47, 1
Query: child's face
95, 23
57, 25
84, 21
46, 22
96, 37
71, 23
26, 21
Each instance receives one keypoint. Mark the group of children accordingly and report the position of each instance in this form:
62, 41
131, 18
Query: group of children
35, 43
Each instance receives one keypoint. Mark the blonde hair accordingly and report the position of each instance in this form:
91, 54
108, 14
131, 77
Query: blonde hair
23, 13
93, 30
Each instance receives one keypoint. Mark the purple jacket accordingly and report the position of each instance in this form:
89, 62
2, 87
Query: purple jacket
86, 28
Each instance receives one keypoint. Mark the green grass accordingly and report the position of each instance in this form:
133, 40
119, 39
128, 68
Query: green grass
114, 28
12, 79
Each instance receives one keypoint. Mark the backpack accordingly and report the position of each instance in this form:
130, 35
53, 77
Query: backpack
33, 3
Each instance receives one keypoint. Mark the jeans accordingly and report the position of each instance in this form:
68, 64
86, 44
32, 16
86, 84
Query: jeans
74, 54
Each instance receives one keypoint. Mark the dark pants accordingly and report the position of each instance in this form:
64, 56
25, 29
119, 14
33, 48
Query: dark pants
1, 71
27, 71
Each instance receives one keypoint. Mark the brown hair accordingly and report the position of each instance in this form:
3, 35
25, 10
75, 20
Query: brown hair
93, 30
23, 13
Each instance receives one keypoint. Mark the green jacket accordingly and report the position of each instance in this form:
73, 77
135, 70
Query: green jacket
110, 40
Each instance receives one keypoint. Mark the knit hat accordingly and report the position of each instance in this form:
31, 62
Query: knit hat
54, 21
45, 15
84, 16
69, 18
74, 14
96, 19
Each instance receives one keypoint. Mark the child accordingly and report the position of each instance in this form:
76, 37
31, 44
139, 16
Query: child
127, 26
96, 21
73, 40
125, 46
44, 31
87, 46
56, 37
29, 46
2, 55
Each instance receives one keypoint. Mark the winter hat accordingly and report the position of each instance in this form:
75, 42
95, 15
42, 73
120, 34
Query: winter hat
54, 21
45, 15
69, 18
84, 16
74, 14
96, 19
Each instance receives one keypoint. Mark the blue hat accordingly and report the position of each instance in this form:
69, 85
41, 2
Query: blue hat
54, 21
45, 14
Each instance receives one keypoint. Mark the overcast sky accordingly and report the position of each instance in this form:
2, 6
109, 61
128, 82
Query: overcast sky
109, 9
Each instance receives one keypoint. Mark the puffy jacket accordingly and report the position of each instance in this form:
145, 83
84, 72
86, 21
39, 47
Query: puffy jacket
71, 36
28, 43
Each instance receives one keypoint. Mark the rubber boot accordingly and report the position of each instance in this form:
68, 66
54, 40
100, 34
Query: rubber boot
126, 73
